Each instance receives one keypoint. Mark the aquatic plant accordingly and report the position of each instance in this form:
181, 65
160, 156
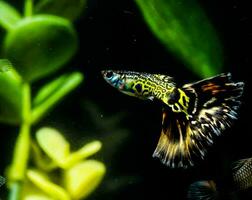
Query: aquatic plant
78, 177
38, 44
184, 29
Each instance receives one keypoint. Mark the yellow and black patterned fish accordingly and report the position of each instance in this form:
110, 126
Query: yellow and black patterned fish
241, 179
192, 114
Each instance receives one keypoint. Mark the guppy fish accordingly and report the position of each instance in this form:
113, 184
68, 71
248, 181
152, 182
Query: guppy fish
192, 114
209, 190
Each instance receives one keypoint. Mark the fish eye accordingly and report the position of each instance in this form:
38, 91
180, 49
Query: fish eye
109, 74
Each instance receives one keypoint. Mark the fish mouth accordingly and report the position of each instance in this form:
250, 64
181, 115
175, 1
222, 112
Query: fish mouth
103, 72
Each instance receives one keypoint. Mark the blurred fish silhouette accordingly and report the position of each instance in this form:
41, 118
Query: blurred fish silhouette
209, 190
192, 114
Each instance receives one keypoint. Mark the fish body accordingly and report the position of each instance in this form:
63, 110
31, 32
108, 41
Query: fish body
192, 114
149, 86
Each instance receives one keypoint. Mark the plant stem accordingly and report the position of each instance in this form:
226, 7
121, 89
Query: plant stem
15, 191
28, 8
22, 147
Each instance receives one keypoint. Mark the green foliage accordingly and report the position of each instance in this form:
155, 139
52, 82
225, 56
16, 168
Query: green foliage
40, 45
10, 95
37, 46
185, 30
5, 65
78, 177
9, 16
53, 92
64, 8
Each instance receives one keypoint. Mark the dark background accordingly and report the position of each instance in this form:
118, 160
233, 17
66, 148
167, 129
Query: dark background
114, 35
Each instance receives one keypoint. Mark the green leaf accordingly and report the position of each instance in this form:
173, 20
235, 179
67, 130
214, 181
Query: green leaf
10, 94
64, 8
9, 16
185, 30
40, 45
53, 92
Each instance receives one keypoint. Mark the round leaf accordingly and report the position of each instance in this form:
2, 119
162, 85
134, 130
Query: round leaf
83, 178
53, 144
40, 45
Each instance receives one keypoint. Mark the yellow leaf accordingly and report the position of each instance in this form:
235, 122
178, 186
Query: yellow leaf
31, 192
44, 184
53, 144
41, 161
83, 178
37, 197
86, 151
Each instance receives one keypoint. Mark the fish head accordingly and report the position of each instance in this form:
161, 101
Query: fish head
127, 82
